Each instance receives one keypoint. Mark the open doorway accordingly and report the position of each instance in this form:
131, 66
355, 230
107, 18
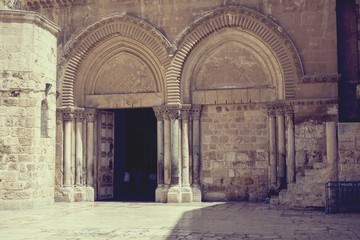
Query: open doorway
135, 155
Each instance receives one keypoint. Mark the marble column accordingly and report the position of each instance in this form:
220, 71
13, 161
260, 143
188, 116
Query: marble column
186, 191
174, 193
160, 154
195, 116
68, 117
78, 115
272, 146
167, 153
280, 119
290, 144
332, 150
90, 116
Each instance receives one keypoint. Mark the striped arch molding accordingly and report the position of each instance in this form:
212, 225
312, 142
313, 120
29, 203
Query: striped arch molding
95, 34
242, 18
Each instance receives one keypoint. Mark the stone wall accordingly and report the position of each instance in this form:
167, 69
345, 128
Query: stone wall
349, 151
234, 152
27, 110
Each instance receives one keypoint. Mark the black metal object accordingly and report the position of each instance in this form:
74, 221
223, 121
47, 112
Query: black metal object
342, 196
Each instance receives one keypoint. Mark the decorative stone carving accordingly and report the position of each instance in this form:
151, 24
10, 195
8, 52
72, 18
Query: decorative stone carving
159, 113
173, 111
79, 114
10, 4
90, 115
68, 114
185, 111
321, 78
196, 112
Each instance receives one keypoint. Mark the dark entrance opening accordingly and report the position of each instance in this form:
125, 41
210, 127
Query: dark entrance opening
135, 150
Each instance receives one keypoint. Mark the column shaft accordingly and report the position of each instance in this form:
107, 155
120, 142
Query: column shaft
167, 151
272, 143
68, 118
79, 147
290, 159
281, 145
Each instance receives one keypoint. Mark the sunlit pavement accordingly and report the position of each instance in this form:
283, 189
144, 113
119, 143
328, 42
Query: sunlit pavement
116, 220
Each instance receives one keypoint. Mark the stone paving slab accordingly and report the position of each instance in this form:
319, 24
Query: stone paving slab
152, 221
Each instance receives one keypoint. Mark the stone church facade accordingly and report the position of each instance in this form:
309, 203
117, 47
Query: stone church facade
247, 95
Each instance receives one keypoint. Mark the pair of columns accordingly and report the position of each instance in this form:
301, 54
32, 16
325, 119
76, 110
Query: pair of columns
282, 147
76, 122
174, 153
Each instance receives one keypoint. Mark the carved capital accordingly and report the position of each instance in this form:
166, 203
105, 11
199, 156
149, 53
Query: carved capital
271, 111
173, 111
90, 114
196, 112
159, 112
289, 110
280, 110
68, 114
185, 111
79, 114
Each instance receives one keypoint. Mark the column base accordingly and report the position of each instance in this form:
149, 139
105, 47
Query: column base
174, 195
197, 197
160, 194
90, 194
70, 194
186, 194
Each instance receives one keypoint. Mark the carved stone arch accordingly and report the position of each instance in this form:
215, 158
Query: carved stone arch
126, 27
242, 19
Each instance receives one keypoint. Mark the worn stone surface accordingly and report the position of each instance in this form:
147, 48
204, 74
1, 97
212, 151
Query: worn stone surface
206, 221
234, 152
27, 113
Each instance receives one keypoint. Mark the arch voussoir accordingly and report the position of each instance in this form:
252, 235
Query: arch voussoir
243, 19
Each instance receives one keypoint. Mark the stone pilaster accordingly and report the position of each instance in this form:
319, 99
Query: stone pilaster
159, 192
195, 117
174, 193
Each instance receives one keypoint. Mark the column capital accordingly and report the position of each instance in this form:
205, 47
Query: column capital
196, 112
185, 111
67, 113
271, 111
280, 110
159, 112
90, 114
79, 114
289, 110
173, 111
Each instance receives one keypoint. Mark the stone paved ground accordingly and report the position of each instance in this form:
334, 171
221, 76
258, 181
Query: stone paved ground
113, 220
